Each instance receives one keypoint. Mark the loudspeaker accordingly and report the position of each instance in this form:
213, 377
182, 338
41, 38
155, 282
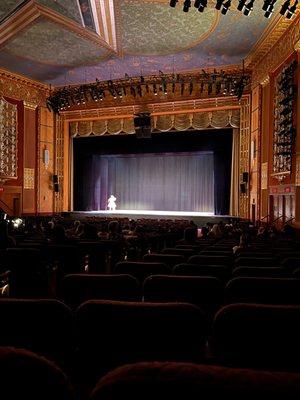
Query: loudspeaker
142, 125
243, 188
245, 177
56, 187
55, 178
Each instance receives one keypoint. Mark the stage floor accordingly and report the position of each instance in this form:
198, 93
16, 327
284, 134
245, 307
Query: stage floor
148, 212
200, 218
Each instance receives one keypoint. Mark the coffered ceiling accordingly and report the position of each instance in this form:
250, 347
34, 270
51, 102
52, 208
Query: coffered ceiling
76, 41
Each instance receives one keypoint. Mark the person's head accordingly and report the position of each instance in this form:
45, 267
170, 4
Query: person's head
190, 235
58, 233
243, 241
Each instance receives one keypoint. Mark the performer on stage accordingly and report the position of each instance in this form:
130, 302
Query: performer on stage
111, 203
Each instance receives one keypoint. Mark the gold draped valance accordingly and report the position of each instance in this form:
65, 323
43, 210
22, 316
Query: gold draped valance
180, 122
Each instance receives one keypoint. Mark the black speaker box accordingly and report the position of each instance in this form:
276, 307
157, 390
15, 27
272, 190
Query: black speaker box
55, 178
243, 187
245, 177
56, 187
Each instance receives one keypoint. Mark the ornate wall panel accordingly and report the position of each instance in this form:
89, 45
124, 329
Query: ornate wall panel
282, 49
20, 88
245, 125
59, 164
8, 140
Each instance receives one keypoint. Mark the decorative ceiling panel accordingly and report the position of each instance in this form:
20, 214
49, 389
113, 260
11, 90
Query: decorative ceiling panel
140, 37
6, 6
68, 8
50, 43
157, 29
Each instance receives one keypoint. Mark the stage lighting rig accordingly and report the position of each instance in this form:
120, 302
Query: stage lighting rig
287, 9
215, 83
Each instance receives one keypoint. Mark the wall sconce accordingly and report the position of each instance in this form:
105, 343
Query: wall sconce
46, 157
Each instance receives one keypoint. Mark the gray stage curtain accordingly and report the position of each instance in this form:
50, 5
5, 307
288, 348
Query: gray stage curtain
160, 182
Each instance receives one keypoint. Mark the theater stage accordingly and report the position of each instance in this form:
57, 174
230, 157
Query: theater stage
200, 218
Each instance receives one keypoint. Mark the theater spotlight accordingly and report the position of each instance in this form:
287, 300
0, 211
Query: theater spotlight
248, 7
219, 4
186, 5
173, 3
291, 11
285, 7
241, 5
226, 7
197, 3
203, 4
268, 7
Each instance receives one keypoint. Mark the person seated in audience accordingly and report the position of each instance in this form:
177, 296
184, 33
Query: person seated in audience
189, 236
75, 229
6, 240
89, 232
114, 230
58, 236
204, 232
215, 232
244, 244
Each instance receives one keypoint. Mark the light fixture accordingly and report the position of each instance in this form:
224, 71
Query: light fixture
223, 5
215, 83
291, 11
187, 5
248, 7
202, 5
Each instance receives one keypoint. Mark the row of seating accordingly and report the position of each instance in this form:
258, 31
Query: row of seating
27, 375
101, 335
205, 291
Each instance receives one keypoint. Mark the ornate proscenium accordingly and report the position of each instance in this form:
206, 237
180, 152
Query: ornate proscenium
204, 84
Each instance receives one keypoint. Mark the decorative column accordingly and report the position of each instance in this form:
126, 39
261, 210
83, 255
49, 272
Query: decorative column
297, 142
30, 159
245, 124
264, 147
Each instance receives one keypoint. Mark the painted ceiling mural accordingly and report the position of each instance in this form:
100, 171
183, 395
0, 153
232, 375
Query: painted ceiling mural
41, 41
152, 37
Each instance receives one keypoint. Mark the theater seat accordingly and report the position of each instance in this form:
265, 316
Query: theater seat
78, 288
257, 336
205, 292
42, 326
112, 333
169, 380
168, 259
141, 270
25, 375
263, 290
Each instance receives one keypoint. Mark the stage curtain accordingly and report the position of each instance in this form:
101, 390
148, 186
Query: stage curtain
148, 182
234, 187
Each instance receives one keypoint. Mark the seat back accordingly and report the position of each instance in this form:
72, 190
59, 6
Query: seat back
174, 380
42, 326
78, 288
257, 336
205, 292
263, 290
141, 270
25, 375
113, 333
